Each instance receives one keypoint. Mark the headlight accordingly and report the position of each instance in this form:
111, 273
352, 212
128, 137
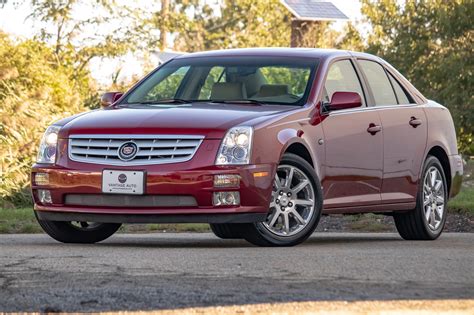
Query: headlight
48, 146
235, 147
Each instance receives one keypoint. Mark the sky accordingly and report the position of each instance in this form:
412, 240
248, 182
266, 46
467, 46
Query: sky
13, 20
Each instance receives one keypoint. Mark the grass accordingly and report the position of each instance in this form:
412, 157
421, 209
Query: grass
464, 202
22, 220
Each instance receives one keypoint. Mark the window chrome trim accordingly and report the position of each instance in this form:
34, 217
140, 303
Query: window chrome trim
131, 138
372, 108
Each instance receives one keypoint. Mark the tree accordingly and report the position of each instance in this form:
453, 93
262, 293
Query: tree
195, 25
62, 29
350, 39
248, 23
34, 92
430, 42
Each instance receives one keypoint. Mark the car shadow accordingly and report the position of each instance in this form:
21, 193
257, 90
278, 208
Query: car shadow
207, 240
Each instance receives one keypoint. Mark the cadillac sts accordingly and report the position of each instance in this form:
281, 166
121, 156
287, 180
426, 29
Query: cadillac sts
259, 143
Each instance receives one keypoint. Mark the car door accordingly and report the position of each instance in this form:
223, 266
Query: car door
353, 145
404, 133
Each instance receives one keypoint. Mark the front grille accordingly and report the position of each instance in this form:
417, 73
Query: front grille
130, 201
151, 149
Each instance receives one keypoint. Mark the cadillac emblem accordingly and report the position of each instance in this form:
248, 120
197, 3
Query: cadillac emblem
127, 151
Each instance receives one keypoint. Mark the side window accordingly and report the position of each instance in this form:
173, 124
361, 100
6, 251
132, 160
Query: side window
399, 91
378, 82
342, 78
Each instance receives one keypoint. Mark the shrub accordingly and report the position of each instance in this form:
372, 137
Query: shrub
35, 90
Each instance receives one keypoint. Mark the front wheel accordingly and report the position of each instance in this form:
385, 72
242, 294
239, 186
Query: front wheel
78, 232
295, 206
426, 221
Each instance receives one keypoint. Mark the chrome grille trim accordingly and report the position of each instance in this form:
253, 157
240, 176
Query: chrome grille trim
130, 201
152, 149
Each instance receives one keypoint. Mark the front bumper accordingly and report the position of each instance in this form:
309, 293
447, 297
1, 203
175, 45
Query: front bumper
457, 170
161, 180
151, 218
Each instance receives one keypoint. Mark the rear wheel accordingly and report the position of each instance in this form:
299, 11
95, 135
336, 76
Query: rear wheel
295, 206
426, 221
78, 232
227, 230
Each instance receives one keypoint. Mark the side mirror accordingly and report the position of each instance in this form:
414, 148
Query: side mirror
109, 98
344, 100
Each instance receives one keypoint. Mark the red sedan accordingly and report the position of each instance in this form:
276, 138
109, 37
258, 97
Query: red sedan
258, 143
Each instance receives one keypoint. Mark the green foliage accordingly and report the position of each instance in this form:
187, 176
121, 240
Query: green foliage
351, 39
34, 92
430, 42
198, 26
464, 202
20, 220
248, 23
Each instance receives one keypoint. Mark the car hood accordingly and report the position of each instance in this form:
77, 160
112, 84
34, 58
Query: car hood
209, 120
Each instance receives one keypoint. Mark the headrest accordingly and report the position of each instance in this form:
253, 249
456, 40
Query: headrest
267, 90
228, 91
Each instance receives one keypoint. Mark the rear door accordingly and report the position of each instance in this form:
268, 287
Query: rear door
354, 157
404, 133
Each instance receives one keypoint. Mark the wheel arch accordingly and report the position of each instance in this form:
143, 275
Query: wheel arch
300, 149
438, 152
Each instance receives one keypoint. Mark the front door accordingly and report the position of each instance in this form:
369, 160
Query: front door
353, 141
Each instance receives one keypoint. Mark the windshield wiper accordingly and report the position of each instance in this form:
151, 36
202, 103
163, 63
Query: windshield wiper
166, 101
249, 101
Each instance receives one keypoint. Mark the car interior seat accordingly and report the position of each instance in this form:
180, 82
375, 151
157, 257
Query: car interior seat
269, 90
228, 91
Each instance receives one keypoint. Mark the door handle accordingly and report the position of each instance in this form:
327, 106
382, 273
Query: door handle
373, 129
415, 122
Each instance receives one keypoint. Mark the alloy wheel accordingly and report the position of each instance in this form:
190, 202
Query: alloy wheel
433, 198
292, 203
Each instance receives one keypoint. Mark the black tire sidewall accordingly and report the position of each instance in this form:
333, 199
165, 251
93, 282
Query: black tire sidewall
65, 232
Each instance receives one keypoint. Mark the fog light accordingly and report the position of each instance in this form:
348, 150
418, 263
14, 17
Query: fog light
227, 181
42, 179
226, 198
44, 196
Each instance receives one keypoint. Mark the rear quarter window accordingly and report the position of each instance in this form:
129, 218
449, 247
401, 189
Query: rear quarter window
402, 97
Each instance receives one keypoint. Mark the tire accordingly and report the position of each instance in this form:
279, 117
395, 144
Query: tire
227, 230
82, 233
307, 202
422, 223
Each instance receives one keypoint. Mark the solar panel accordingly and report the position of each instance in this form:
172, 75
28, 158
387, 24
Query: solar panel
314, 10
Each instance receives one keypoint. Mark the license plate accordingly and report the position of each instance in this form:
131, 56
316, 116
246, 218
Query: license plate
123, 182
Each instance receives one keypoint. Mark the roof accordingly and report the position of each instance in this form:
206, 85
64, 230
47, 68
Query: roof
166, 55
314, 10
269, 52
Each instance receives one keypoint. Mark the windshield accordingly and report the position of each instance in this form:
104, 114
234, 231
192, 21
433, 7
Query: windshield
257, 80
